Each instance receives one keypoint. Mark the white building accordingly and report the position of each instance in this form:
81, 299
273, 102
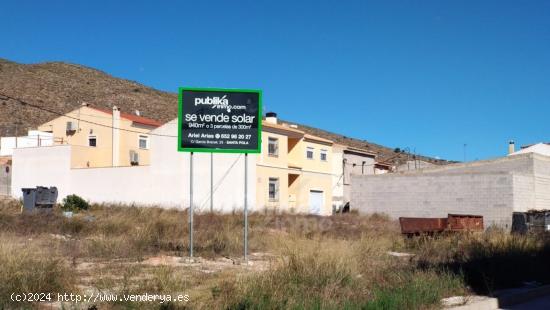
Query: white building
348, 161
34, 138
165, 182
539, 148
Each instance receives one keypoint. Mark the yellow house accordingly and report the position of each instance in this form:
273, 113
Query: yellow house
293, 170
102, 137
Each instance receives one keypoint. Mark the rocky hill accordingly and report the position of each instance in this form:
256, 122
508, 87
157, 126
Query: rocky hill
62, 87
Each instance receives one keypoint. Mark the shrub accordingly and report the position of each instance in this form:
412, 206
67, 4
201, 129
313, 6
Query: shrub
75, 203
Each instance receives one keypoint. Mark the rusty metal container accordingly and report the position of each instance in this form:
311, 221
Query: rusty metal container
465, 222
422, 225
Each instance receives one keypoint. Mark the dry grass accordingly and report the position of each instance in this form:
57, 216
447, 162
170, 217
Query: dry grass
489, 261
24, 267
304, 262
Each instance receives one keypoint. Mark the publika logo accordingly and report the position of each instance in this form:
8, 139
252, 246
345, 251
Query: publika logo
215, 102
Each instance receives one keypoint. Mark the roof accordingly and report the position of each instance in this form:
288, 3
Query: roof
539, 148
281, 127
383, 154
350, 149
317, 138
294, 132
131, 117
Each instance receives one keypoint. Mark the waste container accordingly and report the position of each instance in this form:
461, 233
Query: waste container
29, 199
519, 223
539, 221
41, 197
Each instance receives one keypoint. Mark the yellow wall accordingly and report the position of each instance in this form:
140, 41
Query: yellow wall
309, 174
97, 123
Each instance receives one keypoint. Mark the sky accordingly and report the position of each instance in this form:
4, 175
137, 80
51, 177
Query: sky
429, 76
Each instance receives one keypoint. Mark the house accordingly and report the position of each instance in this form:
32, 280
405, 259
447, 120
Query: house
294, 170
102, 137
348, 161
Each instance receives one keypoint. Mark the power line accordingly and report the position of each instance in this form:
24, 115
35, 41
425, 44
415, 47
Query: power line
24, 103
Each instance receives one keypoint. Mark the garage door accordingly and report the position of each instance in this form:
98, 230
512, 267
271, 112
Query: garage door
315, 202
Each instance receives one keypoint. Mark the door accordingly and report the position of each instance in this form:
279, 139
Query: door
5, 180
315, 202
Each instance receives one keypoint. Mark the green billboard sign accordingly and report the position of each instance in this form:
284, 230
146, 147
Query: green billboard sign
219, 120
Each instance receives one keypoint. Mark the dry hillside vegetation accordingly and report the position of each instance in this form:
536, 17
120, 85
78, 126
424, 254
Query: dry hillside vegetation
297, 261
63, 87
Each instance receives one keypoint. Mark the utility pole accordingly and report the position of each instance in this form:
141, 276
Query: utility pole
465, 151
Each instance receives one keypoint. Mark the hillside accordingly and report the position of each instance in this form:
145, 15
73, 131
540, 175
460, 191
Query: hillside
63, 87
383, 153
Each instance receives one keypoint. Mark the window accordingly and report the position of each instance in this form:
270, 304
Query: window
273, 146
324, 155
309, 153
273, 189
144, 142
92, 141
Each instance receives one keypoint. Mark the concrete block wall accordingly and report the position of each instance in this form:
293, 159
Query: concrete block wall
436, 195
524, 192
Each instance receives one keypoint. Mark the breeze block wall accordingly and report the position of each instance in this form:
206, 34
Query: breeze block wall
490, 194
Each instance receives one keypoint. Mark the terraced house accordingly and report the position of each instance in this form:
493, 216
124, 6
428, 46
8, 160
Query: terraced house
294, 170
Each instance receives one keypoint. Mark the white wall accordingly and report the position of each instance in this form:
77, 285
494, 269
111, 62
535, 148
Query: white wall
337, 176
33, 139
41, 166
164, 183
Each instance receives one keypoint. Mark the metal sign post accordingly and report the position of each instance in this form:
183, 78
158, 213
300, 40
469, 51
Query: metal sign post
219, 121
191, 205
246, 208
211, 182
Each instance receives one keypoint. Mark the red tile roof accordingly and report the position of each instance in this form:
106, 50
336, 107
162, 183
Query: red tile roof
131, 117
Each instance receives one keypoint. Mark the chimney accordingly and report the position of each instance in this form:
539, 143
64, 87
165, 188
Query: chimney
115, 150
271, 117
511, 147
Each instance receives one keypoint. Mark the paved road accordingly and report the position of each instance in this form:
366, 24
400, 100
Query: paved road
535, 304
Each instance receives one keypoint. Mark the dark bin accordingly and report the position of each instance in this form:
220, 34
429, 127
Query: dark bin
539, 221
519, 223
41, 197
29, 199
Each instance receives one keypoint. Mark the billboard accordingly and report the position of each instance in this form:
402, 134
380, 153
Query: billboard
219, 120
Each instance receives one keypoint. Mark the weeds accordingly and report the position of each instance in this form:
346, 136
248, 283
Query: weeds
337, 262
25, 269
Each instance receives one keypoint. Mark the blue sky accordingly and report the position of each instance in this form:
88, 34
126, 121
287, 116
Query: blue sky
428, 75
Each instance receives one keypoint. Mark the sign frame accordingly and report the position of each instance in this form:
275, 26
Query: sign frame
216, 150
